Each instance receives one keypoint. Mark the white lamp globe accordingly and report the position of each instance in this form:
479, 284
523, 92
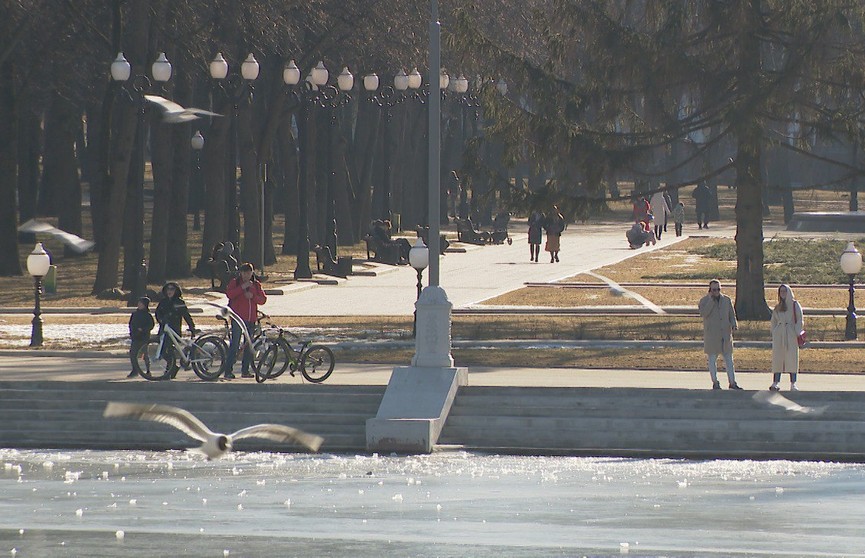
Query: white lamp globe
851, 260
250, 68
370, 82
418, 256
444, 80
120, 68
38, 261
291, 74
319, 74
400, 81
345, 80
414, 79
197, 141
218, 67
161, 69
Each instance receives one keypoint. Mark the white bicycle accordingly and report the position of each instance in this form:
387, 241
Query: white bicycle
160, 359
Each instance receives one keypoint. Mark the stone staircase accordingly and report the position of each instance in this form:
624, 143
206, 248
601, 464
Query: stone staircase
655, 422
69, 414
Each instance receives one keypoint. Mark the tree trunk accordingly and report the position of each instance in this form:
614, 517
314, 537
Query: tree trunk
122, 143
29, 151
61, 165
290, 175
215, 188
177, 254
250, 187
364, 149
99, 135
9, 263
161, 165
133, 221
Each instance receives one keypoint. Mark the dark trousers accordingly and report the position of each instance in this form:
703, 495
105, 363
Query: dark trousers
658, 230
678, 229
703, 218
134, 348
777, 377
236, 339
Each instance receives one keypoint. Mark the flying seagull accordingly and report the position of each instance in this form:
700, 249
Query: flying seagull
214, 444
174, 113
77, 243
773, 398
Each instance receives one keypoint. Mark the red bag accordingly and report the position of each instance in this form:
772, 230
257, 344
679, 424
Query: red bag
801, 339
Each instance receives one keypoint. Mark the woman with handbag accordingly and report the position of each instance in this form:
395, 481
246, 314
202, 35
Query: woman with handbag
788, 326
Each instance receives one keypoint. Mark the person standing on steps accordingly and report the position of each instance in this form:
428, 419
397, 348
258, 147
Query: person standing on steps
140, 324
719, 323
786, 323
555, 225
244, 294
536, 225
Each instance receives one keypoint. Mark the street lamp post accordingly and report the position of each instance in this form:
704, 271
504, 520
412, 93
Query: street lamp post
38, 263
418, 258
851, 264
386, 100
197, 144
234, 88
138, 86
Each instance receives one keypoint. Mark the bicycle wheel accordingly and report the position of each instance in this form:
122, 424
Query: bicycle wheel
282, 358
317, 363
150, 364
207, 356
264, 366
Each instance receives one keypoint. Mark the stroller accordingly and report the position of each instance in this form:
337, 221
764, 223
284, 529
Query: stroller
500, 229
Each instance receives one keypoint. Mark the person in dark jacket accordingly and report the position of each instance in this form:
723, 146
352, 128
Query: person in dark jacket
703, 197
244, 294
140, 324
172, 312
536, 229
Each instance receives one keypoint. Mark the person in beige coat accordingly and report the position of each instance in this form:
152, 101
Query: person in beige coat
719, 323
787, 321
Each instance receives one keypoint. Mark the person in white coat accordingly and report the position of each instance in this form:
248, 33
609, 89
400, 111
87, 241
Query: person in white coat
787, 321
660, 210
719, 323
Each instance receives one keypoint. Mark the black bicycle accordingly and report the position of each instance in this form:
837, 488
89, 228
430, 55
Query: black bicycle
315, 362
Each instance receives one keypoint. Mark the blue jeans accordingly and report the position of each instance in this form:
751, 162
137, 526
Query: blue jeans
236, 338
728, 364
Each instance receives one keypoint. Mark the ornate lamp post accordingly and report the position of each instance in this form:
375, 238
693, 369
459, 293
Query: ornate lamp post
235, 88
135, 88
418, 258
196, 142
332, 98
851, 264
38, 263
386, 99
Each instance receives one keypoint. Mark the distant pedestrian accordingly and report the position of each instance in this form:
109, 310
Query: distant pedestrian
660, 210
703, 199
679, 217
554, 226
641, 209
140, 324
536, 226
172, 312
786, 323
670, 206
719, 323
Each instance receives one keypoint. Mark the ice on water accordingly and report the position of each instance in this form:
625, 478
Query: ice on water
431, 505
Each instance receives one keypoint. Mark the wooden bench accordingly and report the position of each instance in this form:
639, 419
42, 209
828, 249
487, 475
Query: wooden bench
467, 233
376, 252
423, 232
327, 264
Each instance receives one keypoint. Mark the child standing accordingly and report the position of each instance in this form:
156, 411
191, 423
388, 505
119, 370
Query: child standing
679, 217
140, 324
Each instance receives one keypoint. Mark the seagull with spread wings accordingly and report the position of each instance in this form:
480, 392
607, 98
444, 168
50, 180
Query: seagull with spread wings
214, 444
174, 113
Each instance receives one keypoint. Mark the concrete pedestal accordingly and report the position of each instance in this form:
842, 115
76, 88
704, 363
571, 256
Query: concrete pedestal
419, 397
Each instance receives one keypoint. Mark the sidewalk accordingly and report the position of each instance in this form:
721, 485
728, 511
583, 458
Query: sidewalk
108, 369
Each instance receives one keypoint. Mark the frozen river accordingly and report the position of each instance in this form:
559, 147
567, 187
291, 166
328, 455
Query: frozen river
81, 503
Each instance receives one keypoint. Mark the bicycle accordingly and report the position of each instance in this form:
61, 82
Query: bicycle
273, 354
315, 362
204, 355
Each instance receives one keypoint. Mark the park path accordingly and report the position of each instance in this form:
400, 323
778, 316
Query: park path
481, 273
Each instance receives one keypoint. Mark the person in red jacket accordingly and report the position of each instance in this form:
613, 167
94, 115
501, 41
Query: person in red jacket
244, 295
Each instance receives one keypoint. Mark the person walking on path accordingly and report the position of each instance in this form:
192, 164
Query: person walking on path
703, 198
140, 324
679, 217
719, 323
244, 294
786, 323
641, 209
670, 206
554, 227
172, 312
660, 210
536, 225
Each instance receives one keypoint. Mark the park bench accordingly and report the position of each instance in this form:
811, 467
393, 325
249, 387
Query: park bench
327, 264
500, 229
376, 252
467, 233
222, 266
423, 232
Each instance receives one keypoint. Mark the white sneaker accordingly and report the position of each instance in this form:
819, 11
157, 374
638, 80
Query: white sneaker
774, 387
793, 387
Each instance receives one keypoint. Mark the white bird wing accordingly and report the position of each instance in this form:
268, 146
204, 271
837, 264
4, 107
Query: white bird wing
179, 117
165, 104
280, 433
773, 398
75, 242
180, 419
201, 112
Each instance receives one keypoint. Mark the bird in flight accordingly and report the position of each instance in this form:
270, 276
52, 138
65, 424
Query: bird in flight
214, 444
174, 113
779, 400
75, 242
